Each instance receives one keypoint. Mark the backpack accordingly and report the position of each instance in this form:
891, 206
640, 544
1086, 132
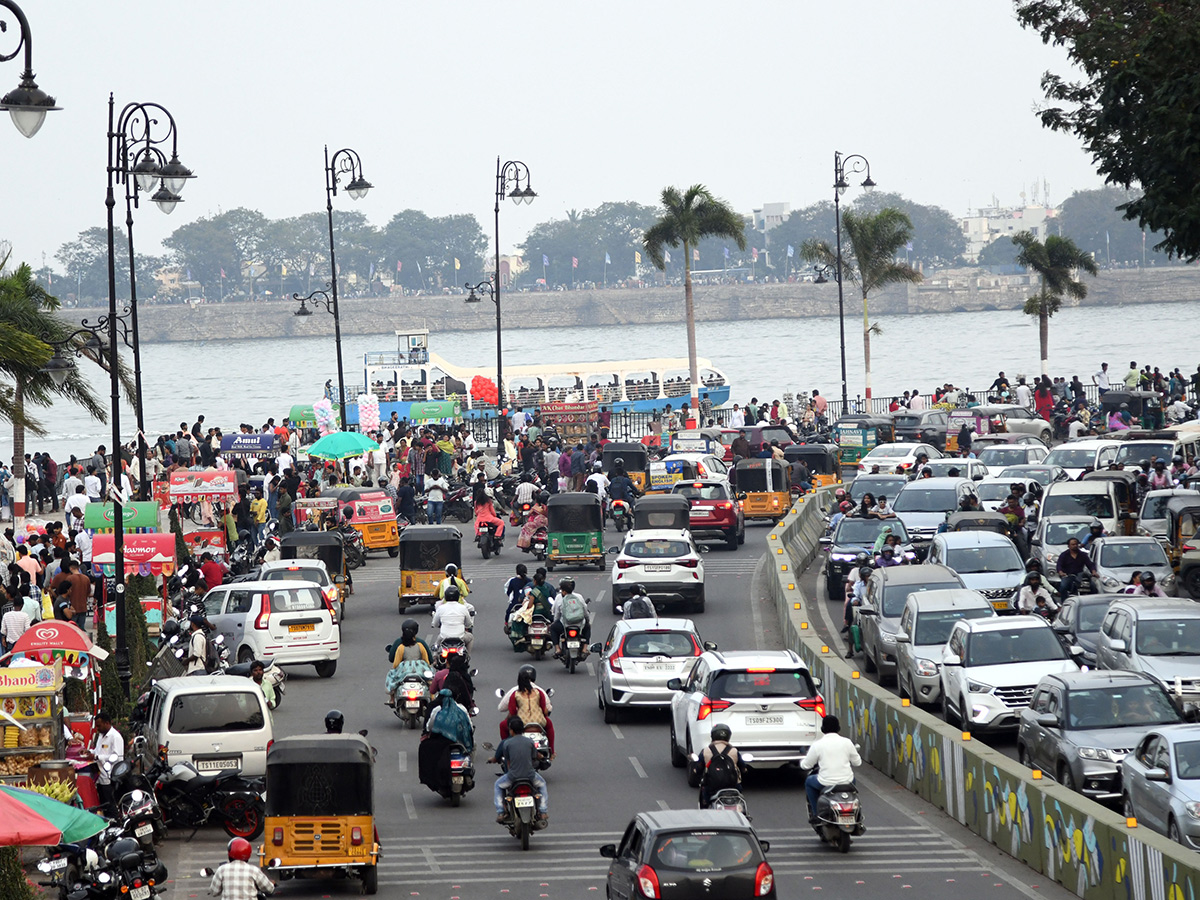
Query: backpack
722, 771
638, 608
574, 610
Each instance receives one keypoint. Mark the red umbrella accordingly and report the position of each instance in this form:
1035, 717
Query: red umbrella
53, 635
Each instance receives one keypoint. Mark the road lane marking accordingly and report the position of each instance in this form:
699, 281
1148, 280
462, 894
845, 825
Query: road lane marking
663, 804
590, 670
410, 806
617, 733
759, 635
403, 761
637, 767
431, 861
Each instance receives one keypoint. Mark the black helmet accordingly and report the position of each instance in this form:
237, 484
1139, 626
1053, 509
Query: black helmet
1033, 565
526, 676
334, 720
721, 732
864, 572
1031, 577
122, 847
619, 466
170, 628
639, 589
1096, 528
543, 497
452, 594
863, 558
410, 627
567, 585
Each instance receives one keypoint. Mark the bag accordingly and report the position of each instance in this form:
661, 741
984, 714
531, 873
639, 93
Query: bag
574, 611
722, 771
638, 608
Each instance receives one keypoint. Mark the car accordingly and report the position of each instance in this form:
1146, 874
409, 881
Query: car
767, 697
1080, 725
994, 491
709, 466
1044, 474
1050, 540
715, 511
291, 622
639, 657
886, 485
991, 667
1002, 439
1152, 517
984, 561
965, 468
1078, 623
1018, 420
1117, 558
1155, 636
1015, 453
1095, 498
690, 854
666, 561
896, 457
878, 616
855, 535
924, 503
1080, 457
924, 628
1160, 783
301, 570
925, 425
757, 434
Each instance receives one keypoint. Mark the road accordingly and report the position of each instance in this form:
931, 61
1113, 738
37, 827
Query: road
603, 775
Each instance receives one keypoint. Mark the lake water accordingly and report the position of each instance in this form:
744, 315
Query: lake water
233, 381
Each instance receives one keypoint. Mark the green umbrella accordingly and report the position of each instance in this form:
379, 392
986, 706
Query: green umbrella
342, 445
30, 818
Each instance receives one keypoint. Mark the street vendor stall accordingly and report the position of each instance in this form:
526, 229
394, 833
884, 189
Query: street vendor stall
214, 485
308, 510
31, 710
145, 554
53, 642
138, 518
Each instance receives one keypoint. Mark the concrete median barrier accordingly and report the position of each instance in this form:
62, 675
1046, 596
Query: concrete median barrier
1085, 847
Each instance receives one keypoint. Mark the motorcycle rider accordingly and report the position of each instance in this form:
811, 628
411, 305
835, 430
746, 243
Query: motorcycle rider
452, 578
569, 608
600, 482
518, 755
238, 879
1073, 563
526, 491
620, 486
835, 755
529, 703
722, 775
639, 605
453, 616
1095, 530
514, 589
334, 721
1035, 597
485, 509
1149, 586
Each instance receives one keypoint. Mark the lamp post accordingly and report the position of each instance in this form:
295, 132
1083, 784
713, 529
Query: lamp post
27, 104
329, 304
853, 164
345, 163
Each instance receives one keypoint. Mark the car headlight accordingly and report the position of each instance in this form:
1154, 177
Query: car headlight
1095, 753
842, 557
1051, 559
887, 637
1169, 580
1109, 582
926, 667
978, 687
1193, 809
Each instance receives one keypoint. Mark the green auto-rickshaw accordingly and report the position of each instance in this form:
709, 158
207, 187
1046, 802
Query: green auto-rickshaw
574, 530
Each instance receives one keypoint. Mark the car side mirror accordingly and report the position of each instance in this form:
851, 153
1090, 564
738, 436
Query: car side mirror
826, 541
866, 611
1076, 650
675, 684
608, 851
1061, 627
207, 872
978, 476
613, 550
1161, 775
710, 645
1048, 720
339, 579
619, 609
596, 647
951, 659
903, 638
766, 846
741, 495
1117, 646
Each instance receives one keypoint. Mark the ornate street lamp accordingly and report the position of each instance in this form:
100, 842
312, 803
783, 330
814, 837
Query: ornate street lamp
841, 166
27, 104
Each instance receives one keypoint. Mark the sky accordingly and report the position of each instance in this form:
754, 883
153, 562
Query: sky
603, 102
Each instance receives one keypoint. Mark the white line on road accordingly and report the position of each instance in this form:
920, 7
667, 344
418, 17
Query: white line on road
759, 635
410, 806
637, 767
617, 733
588, 665
403, 761
430, 860
663, 804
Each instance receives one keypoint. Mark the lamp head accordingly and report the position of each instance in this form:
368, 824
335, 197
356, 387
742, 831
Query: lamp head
820, 279
28, 104
165, 199
147, 171
175, 175
357, 189
868, 184
303, 310
59, 368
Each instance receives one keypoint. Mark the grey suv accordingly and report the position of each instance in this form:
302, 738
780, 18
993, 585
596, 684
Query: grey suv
1158, 637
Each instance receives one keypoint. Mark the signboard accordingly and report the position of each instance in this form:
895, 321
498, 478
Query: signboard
443, 411
20, 680
145, 554
191, 486
214, 542
136, 517
850, 437
249, 446
573, 421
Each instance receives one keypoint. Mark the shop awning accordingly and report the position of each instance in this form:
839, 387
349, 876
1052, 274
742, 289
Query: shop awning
249, 446
145, 554
302, 415
135, 517
441, 412
192, 486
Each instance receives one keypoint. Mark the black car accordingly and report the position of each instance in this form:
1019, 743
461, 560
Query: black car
926, 426
1079, 620
855, 535
698, 853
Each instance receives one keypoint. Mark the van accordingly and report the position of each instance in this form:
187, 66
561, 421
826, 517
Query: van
924, 629
215, 722
1097, 499
1139, 447
1079, 457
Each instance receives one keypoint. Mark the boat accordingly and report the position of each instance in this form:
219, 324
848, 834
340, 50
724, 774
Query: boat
420, 386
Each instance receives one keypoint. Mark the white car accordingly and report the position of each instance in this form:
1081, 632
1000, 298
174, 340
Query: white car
1078, 457
663, 475
667, 562
767, 698
896, 457
967, 468
985, 561
639, 657
993, 492
312, 570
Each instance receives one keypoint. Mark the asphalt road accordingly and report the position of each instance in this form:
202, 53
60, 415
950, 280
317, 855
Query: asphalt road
603, 774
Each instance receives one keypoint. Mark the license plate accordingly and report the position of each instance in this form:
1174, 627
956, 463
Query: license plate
412, 704
295, 628
143, 830
999, 604
456, 779
572, 645
140, 893
55, 864
698, 513
216, 765
657, 667
764, 720
657, 568
521, 802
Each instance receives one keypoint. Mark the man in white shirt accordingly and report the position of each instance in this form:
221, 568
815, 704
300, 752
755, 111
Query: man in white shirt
453, 618
835, 755
737, 418
83, 543
92, 485
916, 402
1100, 379
70, 483
77, 500
106, 743
284, 461
1024, 394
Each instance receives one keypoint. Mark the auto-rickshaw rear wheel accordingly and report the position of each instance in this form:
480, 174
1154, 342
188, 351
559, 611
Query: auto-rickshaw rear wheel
393, 552
370, 880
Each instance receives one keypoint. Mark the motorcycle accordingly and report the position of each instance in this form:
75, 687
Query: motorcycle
487, 539
462, 774
272, 674
537, 544
574, 647
621, 515
838, 815
536, 732
729, 798
538, 637
356, 553
410, 700
189, 799
448, 647
520, 514
458, 504
66, 865
520, 809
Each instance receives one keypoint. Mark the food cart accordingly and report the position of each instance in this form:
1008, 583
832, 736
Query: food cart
31, 710
145, 554
308, 510
55, 641
574, 422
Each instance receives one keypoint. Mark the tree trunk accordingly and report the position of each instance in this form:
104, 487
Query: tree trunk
867, 347
18, 460
694, 410
1044, 331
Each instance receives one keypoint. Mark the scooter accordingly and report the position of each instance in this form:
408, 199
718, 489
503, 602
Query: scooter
537, 544
488, 540
838, 815
537, 640
410, 700
462, 774
574, 647
621, 514
448, 647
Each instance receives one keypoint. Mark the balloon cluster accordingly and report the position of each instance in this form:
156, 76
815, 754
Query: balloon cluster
368, 413
326, 417
484, 389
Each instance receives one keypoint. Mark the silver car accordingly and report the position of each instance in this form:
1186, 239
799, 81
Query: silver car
925, 627
639, 657
1050, 540
1158, 636
1117, 558
1161, 783
1152, 518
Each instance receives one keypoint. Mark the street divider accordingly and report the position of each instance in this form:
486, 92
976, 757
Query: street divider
1087, 848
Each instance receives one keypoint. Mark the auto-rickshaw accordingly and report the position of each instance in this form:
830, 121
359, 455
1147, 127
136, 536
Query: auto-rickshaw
764, 488
1144, 407
982, 520
374, 517
425, 551
856, 436
310, 510
976, 421
1128, 504
327, 546
636, 458
662, 511
824, 465
320, 820
1183, 517
665, 473
574, 530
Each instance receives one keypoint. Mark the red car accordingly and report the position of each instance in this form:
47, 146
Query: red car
715, 512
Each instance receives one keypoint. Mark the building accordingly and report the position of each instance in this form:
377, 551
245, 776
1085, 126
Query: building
770, 215
994, 222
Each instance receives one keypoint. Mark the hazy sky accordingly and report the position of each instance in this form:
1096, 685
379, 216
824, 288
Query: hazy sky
607, 101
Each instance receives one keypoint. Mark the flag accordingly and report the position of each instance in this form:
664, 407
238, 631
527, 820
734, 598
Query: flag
222, 273
397, 265
457, 264
696, 256
312, 269
49, 278
607, 260
791, 251
282, 270
574, 262
666, 256
545, 260
189, 274
754, 253
908, 246
727, 253
370, 274
637, 258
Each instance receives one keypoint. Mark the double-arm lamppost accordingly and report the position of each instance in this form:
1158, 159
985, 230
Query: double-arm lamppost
842, 165
27, 104
343, 164
510, 177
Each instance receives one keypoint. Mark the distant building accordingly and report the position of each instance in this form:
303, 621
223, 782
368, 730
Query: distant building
771, 215
994, 222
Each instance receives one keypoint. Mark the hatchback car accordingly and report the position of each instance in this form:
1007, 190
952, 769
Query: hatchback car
896, 457
1078, 623
693, 854
1080, 725
1016, 453
1155, 636
1019, 420
666, 562
878, 616
767, 697
886, 485
708, 466
1161, 783
961, 468
1043, 474
1117, 558
984, 562
994, 491
715, 512
926, 425
924, 628
924, 503
855, 535
639, 657
301, 570
291, 622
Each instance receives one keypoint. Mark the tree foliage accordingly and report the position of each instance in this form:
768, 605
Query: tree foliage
1055, 262
615, 229
85, 261
937, 238
1093, 220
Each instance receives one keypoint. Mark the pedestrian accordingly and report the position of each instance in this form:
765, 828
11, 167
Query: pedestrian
107, 746
436, 487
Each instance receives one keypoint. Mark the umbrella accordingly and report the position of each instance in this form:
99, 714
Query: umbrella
342, 445
56, 635
28, 818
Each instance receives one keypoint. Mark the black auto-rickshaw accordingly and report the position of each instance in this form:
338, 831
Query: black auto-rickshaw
662, 511
574, 530
320, 820
1144, 407
326, 546
425, 551
823, 461
981, 520
636, 458
1128, 504
764, 488
1183, 517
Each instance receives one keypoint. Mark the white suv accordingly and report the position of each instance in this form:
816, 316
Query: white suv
666, 561
767, 698
991, 667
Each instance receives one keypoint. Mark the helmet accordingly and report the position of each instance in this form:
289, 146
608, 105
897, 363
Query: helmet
840, 494
239, 848
1034, 565
846, 506
1148, 577
597, 467
639, 589
567, 585
452, 594
619, 466
864, 571
927, 472
1032, 577
721, 732
170, 628
1035, 489
451, 570
127, 845
410, 627
862, 559
543, 497
528, 671
334, 720
1177, 459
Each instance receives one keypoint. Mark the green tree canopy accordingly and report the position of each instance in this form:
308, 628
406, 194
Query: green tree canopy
1093, 220
937, 238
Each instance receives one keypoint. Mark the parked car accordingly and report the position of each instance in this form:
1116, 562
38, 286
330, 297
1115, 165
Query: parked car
966, 468
1044, 473
886, 485
878, 616
1080, 725
1051, 537
923, 504
1117, 558
855, 535
1161, 783
1078, 623
1079, 457
639, 657
984, 562
896, 457
1158, 637
924, 629
926, 426
1014, 453
666, 561
715, 512
1018, 420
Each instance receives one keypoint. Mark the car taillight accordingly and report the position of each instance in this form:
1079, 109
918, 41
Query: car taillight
614, 662
817, 704
269, 743
355, 835
625, 563
648, 882
263, 617
277, 837
764, 880
687, 563
708, 707
725, 505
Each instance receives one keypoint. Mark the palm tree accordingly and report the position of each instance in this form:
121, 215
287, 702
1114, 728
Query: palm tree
1055, 262
687, 219
872, 240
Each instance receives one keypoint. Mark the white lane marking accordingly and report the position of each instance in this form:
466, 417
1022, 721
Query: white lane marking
617, 733
431, 861
403, 761
410, 806
637, 767
590, 670
759, 635
663, 804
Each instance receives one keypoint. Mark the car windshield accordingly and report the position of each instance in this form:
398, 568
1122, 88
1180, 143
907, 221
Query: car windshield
888, 487
998, 648
734, 684
315, 574
657, 548
1117, 707
993, 490
1040, 475
704, 851
858, 530
1137, 452
213, 712
1072, 458
1187, 760
941, 468
1168, 637
776, 434
305, 599
659, 643
1091, 617
895, 595
934, 627
1058, 533
976, 560
915, 498
1140, 553
702, 491
1098, 505
1003, 456
1154, 507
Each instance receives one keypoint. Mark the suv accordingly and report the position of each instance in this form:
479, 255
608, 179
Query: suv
923, 504
855, 535
1026, 452
693, 852
991, 667
639, 657
926, 425
715, 511
1080, 725
924, 627
666, 561
985, 561
767, 697
1158, 637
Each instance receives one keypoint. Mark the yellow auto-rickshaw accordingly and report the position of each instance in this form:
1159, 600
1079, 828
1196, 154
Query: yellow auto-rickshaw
763, 488
635, 457
425, 551
374, 517
1183, 517
320, 820
975, 420
1128, 503
824, 465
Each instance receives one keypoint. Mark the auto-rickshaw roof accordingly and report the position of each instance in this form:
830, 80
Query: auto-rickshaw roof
571, 498
346, 495
320, 748
665, 502
308, 538
414, 533
756, 464
1180, 505
863, 420
981, 517
616, 448
793, 451
1129, 476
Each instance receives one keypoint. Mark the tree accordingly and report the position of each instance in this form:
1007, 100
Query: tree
687, 219
810, 223
1092, 219
86, 262
937, 238
869, 246
1055, 263
1134, 107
